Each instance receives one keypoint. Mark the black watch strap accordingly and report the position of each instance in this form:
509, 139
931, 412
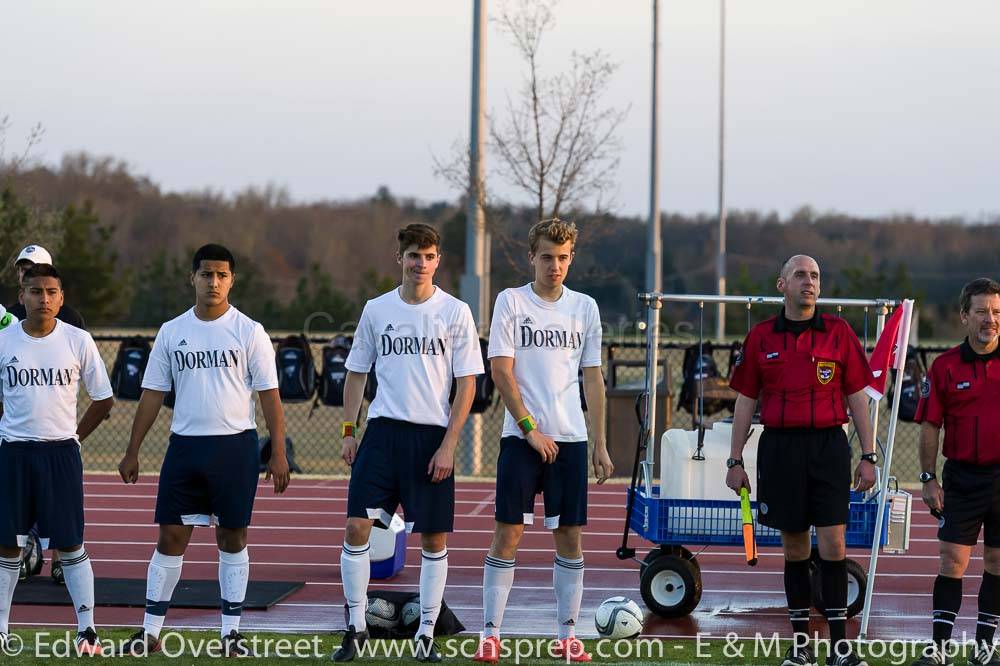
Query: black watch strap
870, 457
927, 476
733, 462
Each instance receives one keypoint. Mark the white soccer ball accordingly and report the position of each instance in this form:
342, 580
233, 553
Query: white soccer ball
618, 617
382, 614
410, 615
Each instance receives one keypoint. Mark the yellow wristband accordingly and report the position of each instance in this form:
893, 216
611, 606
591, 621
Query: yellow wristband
347, 429
527, 424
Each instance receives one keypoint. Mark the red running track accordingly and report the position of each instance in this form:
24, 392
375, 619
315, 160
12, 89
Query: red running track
298, 535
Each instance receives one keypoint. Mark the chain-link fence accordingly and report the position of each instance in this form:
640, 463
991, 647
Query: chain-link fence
315, 429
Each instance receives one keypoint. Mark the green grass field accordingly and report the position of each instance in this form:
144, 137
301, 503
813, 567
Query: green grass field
191, 647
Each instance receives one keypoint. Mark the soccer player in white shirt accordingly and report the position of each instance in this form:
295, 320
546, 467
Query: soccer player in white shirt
215, 357
541, 335
43, 362
420, 339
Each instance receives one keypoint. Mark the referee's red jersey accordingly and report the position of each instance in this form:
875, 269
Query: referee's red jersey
962, 393
802, 381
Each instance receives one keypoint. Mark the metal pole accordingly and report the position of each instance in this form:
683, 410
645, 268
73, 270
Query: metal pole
475, 282
720, 266
654, 262
474, 279
886, 468
653, 307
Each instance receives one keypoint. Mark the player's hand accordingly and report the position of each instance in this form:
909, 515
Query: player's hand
603, 467
277, 467
544, 444
864, 476
128, 468
442, 464
737, 478
933, 495
349, 450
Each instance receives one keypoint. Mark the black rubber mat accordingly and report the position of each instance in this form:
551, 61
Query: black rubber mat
131, 592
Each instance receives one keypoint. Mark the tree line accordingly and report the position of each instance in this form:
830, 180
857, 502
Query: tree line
124, 245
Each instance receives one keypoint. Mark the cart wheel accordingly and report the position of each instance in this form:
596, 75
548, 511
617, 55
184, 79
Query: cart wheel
857, 583
670, 586
676, 551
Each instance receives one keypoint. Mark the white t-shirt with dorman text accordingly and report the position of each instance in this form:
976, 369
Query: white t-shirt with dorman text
417, 350
41, 381
214, 367
549, 342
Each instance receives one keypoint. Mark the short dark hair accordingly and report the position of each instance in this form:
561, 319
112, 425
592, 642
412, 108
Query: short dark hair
419, 234
975, 288
212, 252
41, 270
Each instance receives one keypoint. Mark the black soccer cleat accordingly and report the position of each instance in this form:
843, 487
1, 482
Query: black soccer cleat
933, 656
87, 643
849, 659
140, 644
802, 656
984, 655
425, 650
351, 645
235, 645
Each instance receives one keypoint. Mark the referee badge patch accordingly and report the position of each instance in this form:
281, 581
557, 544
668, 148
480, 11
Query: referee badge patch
825, 371
925, 387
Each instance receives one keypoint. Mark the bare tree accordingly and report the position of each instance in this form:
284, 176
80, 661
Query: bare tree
555, 141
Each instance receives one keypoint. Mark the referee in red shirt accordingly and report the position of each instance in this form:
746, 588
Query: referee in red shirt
802, 366
962, 394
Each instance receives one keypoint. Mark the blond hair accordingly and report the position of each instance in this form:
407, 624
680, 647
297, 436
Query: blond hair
555, 230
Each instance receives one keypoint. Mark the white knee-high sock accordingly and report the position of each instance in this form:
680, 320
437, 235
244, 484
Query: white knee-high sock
79, 575
355, 572
10, 569
567, 579
433, 576
498, 577
161, 578
234, 571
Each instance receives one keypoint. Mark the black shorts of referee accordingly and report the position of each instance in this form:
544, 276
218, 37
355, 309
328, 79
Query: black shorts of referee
971, 503
803, 478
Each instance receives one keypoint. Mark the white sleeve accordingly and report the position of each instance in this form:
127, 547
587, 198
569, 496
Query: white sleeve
93, 373
157, 376
591, 356
260, 361
363, 349
467, 357
502, 328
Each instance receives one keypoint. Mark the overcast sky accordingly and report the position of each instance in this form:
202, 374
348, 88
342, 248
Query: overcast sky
864, 107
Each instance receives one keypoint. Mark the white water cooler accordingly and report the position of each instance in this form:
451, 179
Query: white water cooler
682, 477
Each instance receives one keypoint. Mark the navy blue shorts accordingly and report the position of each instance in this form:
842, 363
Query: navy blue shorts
521, 474
391, 469
209, 480
41, 482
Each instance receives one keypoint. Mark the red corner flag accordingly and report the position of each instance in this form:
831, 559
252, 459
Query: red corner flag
886, 354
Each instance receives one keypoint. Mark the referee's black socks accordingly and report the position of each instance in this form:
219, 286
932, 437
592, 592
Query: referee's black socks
834, 576
946, 604
799, 596
989, 608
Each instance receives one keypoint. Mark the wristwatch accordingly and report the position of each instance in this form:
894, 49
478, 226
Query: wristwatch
870, 457
733, 462
927, 476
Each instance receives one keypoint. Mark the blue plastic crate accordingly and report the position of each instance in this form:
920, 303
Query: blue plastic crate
719, 522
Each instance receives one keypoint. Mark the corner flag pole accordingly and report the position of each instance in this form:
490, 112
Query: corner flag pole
897, 391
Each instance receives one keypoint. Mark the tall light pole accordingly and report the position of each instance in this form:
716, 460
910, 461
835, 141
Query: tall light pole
654, 262
475, 284
720, 263
475, 280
